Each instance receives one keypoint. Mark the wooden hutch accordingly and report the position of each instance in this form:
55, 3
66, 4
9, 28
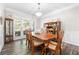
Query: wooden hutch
8, 30
52, 27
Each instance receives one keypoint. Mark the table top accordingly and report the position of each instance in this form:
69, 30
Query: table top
44, 36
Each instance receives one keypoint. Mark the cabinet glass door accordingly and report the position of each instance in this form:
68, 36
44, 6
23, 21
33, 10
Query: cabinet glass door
7, 28
11, 28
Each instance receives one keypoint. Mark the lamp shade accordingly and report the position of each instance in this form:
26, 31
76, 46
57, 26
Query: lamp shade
38, 14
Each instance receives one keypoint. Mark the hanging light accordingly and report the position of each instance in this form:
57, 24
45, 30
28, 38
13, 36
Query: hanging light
38, 13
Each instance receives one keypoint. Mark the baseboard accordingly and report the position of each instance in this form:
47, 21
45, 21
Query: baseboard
71, 43
1, 47
20, 39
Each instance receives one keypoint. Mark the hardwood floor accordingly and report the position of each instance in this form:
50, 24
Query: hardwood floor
19, 48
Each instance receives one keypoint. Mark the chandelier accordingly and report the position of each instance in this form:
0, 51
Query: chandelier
38, 13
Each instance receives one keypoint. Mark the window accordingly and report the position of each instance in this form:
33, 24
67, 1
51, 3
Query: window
17, 26
21, 24
26, 24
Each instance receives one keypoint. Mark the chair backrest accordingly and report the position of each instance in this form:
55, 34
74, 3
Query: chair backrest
59, 39
61, 34
29, 38
29, 35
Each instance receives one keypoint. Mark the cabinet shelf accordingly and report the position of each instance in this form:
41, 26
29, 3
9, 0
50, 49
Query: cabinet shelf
52, 26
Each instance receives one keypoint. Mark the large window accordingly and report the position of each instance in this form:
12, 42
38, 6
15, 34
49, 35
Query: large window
17, 26
21, 24
26, 24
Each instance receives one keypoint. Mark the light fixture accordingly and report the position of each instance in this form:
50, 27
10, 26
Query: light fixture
38, 13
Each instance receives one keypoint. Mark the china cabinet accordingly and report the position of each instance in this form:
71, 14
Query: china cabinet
8, 30
52, 27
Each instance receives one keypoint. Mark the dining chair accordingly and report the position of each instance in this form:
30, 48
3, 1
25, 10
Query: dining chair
34, 43
27, 39
54, 47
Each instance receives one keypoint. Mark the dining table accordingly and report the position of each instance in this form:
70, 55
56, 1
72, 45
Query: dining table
43, 36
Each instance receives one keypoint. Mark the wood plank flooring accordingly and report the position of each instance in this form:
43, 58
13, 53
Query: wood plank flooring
19, 48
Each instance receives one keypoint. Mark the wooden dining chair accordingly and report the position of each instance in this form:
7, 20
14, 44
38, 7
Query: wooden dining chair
54, 47
27, 39
34, 43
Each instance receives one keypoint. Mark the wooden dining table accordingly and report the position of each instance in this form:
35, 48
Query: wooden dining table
44, 36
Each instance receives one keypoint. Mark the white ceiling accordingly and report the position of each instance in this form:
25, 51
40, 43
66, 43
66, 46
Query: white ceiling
32, 8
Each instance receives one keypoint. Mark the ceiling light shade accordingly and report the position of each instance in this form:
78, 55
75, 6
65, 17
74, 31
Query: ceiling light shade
38, 14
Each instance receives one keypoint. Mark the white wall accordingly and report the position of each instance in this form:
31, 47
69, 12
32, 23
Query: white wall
70, 21
1, 27
1, 38
13, 13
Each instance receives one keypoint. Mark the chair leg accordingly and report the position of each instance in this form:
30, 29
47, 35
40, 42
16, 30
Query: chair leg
57, 52
60, 52
33, 49
43, 51
27, 43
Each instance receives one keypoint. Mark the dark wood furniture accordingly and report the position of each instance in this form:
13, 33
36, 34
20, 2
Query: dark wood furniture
28, 33
53, 31
8, 30
44, 37
54, 44
27, 39
54, 47
33, 43
52, 27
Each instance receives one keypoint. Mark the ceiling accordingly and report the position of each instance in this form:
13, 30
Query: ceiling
32, 8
